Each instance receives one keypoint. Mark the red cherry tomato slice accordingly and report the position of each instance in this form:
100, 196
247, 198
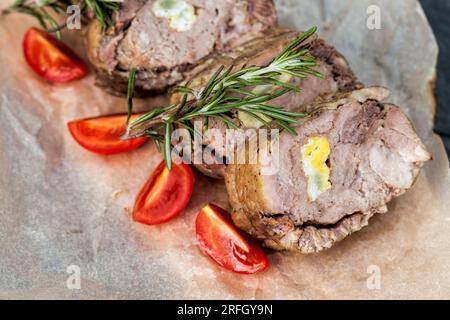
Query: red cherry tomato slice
102, 134
226, 245
51, 58
165, 194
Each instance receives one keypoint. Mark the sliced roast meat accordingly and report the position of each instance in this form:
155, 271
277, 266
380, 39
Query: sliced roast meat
164, 39
260, 52
350, 157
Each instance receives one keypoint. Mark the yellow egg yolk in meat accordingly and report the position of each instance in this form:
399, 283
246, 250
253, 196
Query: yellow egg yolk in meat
314, 160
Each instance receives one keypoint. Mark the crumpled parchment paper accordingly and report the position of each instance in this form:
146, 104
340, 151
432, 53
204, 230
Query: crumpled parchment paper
62, 206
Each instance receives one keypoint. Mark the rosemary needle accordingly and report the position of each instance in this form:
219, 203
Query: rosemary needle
214, 99
130, 93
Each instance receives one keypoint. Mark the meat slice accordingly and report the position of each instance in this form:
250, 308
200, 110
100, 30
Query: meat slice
163, 39
351, 157
260, 52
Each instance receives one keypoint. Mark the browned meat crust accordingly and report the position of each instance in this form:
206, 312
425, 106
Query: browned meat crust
375, 156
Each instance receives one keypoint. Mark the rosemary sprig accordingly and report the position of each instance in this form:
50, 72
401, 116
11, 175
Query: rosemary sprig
103, 10
130, 93
46, 11
228, 92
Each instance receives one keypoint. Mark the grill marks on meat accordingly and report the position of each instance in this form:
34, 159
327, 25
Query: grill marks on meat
375, 156
138, 39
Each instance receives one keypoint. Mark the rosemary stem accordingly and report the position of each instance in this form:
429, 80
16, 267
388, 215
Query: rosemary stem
248, 90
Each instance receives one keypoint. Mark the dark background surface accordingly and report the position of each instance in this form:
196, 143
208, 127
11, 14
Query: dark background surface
438, 13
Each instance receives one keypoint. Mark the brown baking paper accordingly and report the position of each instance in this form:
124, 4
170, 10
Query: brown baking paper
62, 207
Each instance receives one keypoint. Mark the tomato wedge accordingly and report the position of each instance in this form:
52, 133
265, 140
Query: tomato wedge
51, 58
165, 194
102, 134
226, 245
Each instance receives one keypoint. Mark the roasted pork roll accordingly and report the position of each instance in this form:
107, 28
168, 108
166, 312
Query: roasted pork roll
260, 51
164, 39
350, 157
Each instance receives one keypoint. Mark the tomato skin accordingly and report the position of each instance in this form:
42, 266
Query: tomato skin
164, 195
50, 58
102, 134
229, 247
